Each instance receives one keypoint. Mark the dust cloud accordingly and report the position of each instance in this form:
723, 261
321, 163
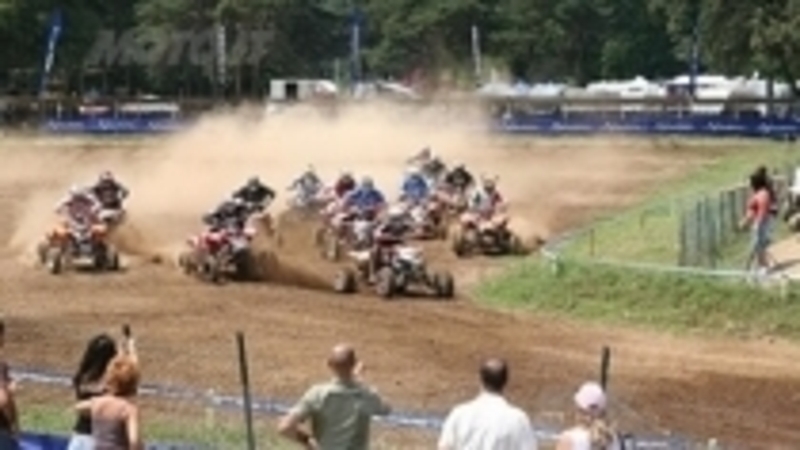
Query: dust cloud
175, 179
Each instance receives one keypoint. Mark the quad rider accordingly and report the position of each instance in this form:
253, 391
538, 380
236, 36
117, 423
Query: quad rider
365, 198
458, 179
110, 195
485, 202
233, 212
79, 208
109, 192
308, 186
455, 186
255, 195
344, 185
415, 189
389, 232
429, 164
364, 202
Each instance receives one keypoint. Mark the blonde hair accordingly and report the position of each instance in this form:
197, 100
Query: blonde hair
122, 376
601, 433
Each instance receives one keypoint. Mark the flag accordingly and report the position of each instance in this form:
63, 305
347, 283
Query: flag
356, 29
694, 63
54, 33
476, 52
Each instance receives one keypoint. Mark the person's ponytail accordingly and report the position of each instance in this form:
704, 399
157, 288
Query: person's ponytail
601, 434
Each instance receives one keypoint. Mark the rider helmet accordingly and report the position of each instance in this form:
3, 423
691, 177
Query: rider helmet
254, 181
367, 183
106, 176
489, 184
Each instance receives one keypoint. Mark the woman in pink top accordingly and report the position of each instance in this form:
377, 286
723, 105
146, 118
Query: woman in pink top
759, 217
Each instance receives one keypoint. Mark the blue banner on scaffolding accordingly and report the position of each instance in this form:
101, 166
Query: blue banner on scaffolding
711, 125
113, 126
699, 125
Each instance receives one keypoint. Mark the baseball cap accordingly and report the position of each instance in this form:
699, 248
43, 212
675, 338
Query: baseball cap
590, 397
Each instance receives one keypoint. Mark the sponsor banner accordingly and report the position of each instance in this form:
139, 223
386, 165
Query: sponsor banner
113, 126
690, 125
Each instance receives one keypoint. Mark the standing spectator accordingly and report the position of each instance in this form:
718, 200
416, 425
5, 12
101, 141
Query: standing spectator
114, 415
339, 411
758, 217
88, 383
762, 171
9, 420
488, 422
592, 432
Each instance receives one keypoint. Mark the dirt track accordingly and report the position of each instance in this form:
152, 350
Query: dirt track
421, 353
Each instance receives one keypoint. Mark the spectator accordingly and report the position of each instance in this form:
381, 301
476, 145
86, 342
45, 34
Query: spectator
758, 218
114, 416
339, 411
488, 422
88, 383
592, 432
762, 171
9, 421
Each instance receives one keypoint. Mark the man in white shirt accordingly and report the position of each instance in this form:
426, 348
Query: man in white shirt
488, 422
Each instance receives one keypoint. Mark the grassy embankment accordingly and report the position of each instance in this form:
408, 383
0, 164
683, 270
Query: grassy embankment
648, 233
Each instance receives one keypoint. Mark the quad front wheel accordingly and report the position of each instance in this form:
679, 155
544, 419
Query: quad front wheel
443, 285
385, 283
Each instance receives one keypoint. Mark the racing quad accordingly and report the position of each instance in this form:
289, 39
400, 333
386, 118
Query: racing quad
427, 220
398, 270
310, 206
220, 256
112, 217
488, 236
453, 202
78, 244
352, 232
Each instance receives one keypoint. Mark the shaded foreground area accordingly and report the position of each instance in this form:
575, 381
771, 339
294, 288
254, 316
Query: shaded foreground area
421, 354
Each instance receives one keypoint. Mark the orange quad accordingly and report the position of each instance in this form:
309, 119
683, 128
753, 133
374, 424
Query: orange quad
74, 242
484, 234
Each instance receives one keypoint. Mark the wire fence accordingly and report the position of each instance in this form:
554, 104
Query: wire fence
698, 234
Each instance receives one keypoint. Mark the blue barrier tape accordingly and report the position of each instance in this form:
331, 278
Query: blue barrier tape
272, 407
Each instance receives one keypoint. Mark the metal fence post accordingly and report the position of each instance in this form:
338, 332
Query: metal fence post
247, 401
605, 364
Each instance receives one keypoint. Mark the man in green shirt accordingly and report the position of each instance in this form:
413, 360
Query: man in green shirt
339, 411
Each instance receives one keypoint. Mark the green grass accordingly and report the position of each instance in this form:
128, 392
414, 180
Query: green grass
649, 232
669, 302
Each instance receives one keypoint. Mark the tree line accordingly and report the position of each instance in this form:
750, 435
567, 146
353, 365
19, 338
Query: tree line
535, 40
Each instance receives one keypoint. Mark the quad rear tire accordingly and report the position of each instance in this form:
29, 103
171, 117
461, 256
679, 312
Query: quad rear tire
345, 282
